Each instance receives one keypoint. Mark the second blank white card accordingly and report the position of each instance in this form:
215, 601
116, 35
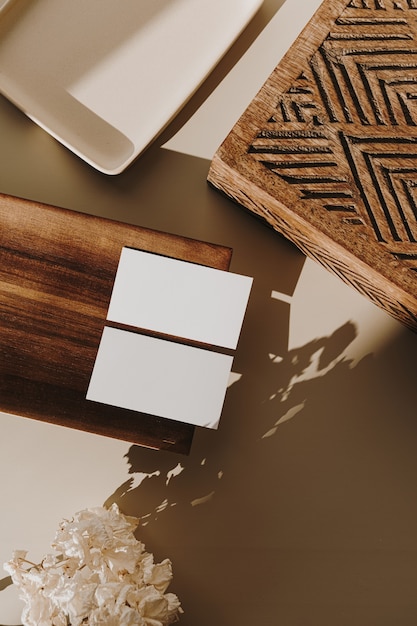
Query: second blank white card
160, 377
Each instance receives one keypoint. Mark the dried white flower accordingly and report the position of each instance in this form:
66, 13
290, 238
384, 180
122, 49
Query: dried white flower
99, 575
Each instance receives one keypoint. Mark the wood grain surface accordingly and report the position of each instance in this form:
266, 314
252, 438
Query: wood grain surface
57, 269
326, 153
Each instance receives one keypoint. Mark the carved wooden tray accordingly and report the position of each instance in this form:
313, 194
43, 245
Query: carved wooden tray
326, 152
57, 269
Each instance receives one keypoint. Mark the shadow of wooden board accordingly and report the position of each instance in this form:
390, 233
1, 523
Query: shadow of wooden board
326, 152
57, 269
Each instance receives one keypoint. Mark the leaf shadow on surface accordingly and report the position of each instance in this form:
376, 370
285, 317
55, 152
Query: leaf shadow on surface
168, 484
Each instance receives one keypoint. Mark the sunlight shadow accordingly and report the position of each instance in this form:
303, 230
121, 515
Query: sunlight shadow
5, 582
161, 482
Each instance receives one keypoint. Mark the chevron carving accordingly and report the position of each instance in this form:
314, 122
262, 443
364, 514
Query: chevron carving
364, 73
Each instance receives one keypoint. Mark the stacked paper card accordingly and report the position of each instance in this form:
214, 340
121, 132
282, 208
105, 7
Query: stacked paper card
167, 347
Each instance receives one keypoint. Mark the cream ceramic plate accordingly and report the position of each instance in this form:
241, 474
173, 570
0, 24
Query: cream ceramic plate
105, 76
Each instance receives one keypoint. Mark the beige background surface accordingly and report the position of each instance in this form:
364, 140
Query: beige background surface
300, 510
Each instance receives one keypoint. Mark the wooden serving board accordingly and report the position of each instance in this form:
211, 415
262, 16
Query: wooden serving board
326, 152
57, 269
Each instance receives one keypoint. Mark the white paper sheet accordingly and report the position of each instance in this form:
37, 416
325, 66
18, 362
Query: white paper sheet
179, 298
159, 377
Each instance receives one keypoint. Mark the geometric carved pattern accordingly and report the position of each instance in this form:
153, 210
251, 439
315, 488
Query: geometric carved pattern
332, 137
364, 72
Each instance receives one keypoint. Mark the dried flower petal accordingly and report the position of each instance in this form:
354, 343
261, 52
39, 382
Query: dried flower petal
159, 575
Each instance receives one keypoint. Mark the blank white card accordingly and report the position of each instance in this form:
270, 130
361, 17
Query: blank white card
179, 298
160, 377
